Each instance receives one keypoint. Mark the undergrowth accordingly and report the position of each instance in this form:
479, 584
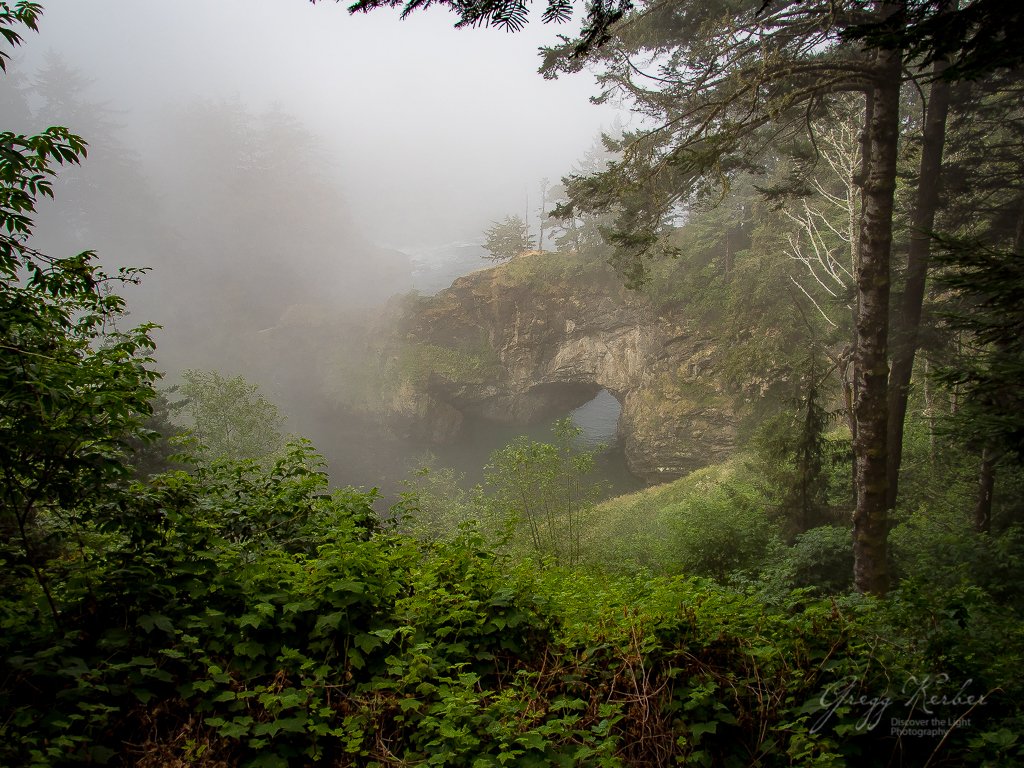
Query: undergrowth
232, 617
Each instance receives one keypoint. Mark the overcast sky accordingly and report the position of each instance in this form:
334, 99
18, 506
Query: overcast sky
434, 131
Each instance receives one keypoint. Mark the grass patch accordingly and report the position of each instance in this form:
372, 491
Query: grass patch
713, 522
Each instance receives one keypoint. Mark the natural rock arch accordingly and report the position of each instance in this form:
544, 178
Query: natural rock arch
519, 343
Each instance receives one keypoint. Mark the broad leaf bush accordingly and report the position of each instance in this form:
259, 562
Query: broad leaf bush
326, 636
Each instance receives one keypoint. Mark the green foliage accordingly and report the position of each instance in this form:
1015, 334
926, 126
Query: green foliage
987, 306
976, 37
243, 614
820, 559
321, 637
22, 13
536, 501
576, 231
937, 473
712, 523
435, 506
723, 531
795, 455
507, 239
552, 269
542, 494
204, 584
725, 268
156, 450
513, 15
229, 417
941, 543
74, 389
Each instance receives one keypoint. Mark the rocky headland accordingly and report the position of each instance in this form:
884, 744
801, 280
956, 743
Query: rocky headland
542, 334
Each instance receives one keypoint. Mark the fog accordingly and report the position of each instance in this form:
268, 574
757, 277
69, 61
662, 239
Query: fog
283, 169
432, 132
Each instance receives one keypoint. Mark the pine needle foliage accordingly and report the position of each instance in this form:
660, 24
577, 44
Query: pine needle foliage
513, 15
985, 304
507, 239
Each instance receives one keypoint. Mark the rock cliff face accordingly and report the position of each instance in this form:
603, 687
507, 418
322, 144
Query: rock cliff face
544, 334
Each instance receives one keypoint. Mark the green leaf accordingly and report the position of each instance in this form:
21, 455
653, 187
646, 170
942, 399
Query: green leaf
329, 621
159, 621
267, 760
295, 724
697, 730
408, 704
250, 649
532, 740
267, 729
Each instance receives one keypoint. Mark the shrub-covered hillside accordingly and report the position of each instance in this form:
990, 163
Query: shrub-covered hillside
241, 617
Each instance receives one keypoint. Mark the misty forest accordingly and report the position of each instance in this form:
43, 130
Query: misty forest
370, 398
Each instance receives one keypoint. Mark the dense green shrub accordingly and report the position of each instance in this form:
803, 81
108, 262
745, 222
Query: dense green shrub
724, 531
231, 617
228, 417
714, 522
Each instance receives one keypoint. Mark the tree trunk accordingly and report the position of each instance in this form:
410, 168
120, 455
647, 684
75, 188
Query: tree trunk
929, 412
860, 179
870, 518
543, 212
909, 318
986, 484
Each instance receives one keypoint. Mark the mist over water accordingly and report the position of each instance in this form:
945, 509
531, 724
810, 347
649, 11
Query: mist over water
285, 170
597, 419
435, 267
358, 453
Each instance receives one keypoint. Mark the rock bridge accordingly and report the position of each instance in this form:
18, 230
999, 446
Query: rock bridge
526, 341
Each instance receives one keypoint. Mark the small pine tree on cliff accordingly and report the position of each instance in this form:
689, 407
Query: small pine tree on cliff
507, 238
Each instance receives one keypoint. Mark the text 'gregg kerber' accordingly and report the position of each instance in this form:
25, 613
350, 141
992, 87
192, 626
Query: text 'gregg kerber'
918, 694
